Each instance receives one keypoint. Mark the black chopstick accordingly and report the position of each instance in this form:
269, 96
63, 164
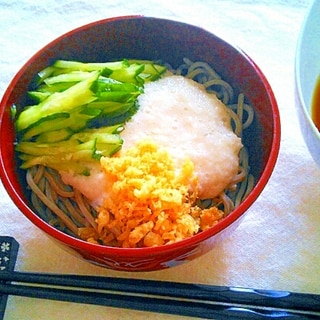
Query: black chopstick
193, 300
151, 304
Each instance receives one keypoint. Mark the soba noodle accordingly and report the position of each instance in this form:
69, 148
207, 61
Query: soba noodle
68, 210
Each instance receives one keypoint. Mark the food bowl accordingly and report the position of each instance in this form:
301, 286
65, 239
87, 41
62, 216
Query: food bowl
149, 38
307, 71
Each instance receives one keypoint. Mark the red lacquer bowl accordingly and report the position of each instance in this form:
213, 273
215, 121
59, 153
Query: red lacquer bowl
154, 39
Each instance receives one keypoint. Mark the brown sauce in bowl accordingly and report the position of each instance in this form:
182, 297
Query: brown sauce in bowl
315, 105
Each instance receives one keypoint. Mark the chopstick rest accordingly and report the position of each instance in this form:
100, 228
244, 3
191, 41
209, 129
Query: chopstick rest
8, 256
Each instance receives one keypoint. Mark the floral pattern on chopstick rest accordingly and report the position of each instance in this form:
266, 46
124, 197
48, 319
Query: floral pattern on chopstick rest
8, 255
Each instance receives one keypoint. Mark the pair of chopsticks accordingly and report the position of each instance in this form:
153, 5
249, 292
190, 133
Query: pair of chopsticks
193, 300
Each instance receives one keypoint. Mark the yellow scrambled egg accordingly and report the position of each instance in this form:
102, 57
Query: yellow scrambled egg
148, 202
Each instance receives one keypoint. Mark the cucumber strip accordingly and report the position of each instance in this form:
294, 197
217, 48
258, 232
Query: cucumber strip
108, 107
90, 66
106, 139
38, 96
106, 132
116, 112
74, 76
106, 144
75, 122
55, 136
115, 91
44, 74
152, 71
117, 96
56, 87
106, 150
85, 140
81, 155
38, 149
51, 122
107, 84
128, 75
85, 154
68, 155
116, 117
89, 135
65, 101
62, 150
13, 112
77, 167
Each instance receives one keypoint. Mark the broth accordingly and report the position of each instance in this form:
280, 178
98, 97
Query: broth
315, 105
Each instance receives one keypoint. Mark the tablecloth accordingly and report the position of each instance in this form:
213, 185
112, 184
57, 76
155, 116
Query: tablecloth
277, 244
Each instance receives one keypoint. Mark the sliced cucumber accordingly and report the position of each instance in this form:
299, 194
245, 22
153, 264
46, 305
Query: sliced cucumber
58, 102
80, 111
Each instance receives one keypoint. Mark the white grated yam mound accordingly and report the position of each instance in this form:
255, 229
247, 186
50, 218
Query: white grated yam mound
177, 113
92, 186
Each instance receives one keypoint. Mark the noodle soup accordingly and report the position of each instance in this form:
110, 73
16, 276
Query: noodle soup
194, 95
315, 106
122, 37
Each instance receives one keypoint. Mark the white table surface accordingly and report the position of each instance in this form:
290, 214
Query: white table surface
277, 244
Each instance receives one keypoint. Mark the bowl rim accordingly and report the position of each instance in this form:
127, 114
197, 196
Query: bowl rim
189, 242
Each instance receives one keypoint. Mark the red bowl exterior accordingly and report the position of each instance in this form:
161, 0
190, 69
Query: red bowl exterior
155, 39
